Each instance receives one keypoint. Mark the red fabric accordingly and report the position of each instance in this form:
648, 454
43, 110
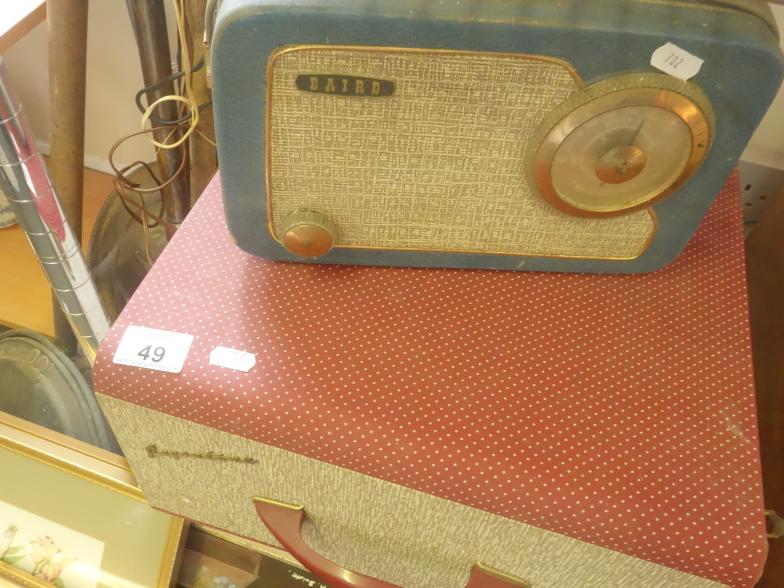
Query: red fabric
615, 409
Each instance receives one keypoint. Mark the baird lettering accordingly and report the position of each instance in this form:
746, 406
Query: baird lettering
338, 85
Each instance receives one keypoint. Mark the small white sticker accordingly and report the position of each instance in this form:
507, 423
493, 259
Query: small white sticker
233, 359
153, 349
675, 61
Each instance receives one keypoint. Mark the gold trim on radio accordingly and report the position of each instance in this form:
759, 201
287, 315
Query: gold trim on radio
525, 56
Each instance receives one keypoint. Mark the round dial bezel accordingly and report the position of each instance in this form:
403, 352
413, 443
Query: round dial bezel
684, 99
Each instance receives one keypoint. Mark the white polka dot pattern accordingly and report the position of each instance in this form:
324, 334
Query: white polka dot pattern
615, 409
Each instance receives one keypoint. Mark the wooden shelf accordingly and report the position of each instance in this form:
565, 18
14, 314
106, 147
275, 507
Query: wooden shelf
18, 18
25, 296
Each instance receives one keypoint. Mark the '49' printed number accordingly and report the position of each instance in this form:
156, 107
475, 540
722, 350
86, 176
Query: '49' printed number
153, 349
148, 353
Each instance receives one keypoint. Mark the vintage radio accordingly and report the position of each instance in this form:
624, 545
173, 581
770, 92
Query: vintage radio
523, 134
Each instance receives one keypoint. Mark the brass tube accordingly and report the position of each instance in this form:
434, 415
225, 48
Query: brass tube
203, 156
149, 27
67, 22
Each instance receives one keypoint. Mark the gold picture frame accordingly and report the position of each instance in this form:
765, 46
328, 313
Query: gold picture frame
60, 472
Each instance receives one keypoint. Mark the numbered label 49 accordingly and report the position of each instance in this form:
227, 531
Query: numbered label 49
153, 349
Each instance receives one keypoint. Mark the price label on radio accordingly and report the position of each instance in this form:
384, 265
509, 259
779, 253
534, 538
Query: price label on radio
676, 61
153, 349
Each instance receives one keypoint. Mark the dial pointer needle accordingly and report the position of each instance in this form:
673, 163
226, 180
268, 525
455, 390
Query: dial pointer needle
637, 132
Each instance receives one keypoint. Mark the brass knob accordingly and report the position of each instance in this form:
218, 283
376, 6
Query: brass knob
307, 233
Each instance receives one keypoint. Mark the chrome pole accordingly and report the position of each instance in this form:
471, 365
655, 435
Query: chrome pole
26, 184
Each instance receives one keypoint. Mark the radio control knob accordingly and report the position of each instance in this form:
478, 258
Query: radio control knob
307, 233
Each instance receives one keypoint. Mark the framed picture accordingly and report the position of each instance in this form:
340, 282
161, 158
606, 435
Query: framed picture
72, 516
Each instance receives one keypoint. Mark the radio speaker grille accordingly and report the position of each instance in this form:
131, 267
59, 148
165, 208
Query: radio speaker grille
437, 166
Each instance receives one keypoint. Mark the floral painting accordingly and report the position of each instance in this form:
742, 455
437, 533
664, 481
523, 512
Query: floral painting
47, 550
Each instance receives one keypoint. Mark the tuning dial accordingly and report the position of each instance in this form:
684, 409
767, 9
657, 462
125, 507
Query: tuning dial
620, 144
307, 233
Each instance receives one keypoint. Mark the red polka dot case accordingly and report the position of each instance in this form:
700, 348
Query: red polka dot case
587, 430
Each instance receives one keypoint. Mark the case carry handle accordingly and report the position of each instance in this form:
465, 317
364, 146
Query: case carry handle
284, 521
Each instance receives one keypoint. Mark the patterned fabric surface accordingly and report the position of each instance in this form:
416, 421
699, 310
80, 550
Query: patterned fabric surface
362, 162
433, 542
615, 409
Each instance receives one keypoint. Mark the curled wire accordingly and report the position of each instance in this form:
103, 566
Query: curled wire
148, 90
181, 128
124, 187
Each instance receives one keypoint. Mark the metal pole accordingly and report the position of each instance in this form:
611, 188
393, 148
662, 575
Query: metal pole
67, 22
204, 158
24, 181
149, 27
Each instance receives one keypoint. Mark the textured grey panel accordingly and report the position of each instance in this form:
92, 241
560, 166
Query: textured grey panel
438, 166
381, 529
